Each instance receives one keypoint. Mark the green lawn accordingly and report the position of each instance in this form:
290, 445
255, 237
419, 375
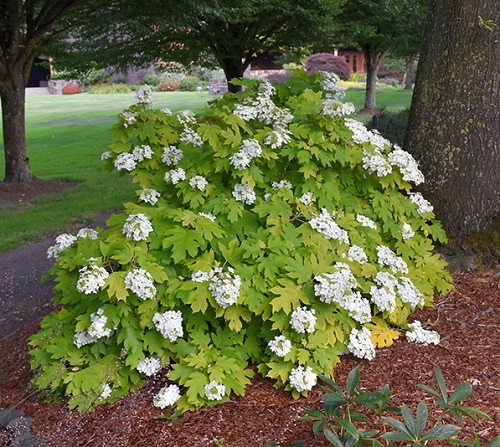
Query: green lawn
66, 136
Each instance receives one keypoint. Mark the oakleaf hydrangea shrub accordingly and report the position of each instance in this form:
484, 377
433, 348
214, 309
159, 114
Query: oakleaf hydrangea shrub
270, 233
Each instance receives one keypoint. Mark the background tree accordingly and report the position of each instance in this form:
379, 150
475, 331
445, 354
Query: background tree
25, 26
454, 128
375, 27
227, 33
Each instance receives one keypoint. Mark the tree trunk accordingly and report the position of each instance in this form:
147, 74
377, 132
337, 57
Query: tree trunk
17, 167
454, 124
233, 69
409, 72
373, 58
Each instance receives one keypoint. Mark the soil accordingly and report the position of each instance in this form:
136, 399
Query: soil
467, 320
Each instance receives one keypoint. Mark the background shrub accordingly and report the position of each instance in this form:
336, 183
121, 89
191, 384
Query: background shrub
151, 79
280, 77
105, 88
190, 84
328, 62
392, 125
71, 90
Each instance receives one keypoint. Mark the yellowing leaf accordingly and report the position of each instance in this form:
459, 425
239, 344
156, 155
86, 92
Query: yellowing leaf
382, 335
289, 296
115, 283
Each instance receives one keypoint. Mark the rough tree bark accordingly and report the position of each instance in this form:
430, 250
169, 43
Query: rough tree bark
373, 57
454, 124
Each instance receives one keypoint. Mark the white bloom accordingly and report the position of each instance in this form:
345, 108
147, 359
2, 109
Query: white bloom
137, 227
143, 152
329, 229
141, 283
82, 338
387, 257
249, 149
209, 216
303, 320
419, 335
329, 84
365, 221
244, 193
149, 366
167, 111
407, 165
149, 195
214, 390
409, 293
91, 279
224, 287
281, 184
63, 241
302, 379
188, 135
167, 396
144, 96
198, 182
360, 133
106, 392
201, 276
375, 162
358, 307
384, 296
332, 108
169, 324
97, 327
87, 233
334, 287
186, 117
356, 253
360, 344
175, 175
128, 118
105, 155
423, 205
171, 155
307, 198
278, 137
379, 141
280, 345
125, 161
407, 232
240, 160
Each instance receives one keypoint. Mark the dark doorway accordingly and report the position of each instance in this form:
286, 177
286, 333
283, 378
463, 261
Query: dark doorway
39, 74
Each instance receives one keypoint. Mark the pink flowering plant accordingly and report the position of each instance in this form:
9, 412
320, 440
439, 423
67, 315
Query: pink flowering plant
270, 230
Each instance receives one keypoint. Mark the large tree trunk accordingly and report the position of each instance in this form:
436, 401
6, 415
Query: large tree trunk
233, 68
373, 57
17, 167
454, 124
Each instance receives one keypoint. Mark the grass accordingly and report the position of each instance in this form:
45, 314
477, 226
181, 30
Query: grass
66, 136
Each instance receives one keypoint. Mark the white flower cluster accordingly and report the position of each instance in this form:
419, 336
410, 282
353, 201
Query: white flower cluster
91, 279
307, 198
329, 229
140, 282
248, 150
142, 153
106, 392
87, 233
332, 108
302, 379
362, 135
198, 182
149, 195
408, 293
278, 137
175, 175
186, 117
423, 205
166, 111
419, 335
375, 162
366, 221
303, 320
360, 344
129, 118
171, 155
137, 227
224, 286
126, 161
356, 253
214, 390
169, 324
280, 345
105, 155
387, 257
149, 366
167, 396
244, 193
384, 296
95, 331
282, 184
63, 241
144, 96
407, 165
208, 216
189, 136
407, 232
338, 288
329, 84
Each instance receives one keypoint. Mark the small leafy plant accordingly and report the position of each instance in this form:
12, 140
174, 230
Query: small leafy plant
343, 413
270, 230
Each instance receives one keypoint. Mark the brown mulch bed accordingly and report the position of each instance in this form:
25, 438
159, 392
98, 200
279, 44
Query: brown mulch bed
467, 319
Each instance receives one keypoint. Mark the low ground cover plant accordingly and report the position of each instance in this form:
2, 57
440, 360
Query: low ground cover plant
271, 230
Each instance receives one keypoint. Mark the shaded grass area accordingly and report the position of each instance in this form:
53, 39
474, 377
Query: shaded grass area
66, 136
